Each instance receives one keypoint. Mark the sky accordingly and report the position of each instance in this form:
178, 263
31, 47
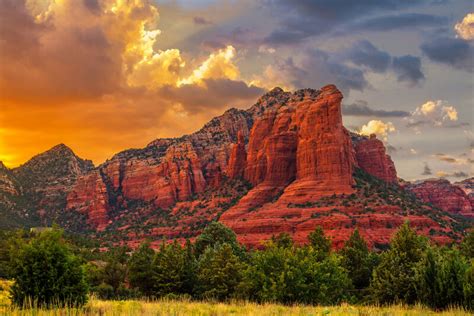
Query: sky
102, 76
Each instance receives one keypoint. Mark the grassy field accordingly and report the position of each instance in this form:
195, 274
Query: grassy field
178, 308
185, 308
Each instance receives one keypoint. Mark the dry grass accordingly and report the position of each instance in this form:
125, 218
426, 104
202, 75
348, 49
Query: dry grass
178, 308
192, 308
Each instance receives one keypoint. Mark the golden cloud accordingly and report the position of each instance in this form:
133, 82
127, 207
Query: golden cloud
80, 72
465, 28
378, 127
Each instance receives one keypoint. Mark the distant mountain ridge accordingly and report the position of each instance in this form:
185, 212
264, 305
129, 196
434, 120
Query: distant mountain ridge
287, 164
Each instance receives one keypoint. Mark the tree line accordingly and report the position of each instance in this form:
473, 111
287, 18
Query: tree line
51, 269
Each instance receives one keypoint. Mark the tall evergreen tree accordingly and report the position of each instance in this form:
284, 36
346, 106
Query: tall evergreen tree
356, 260
320, 243
394, 279
169, 269
140, 269
219, 271
467, 245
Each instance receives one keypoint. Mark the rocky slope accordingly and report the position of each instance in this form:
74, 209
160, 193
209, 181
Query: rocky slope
453, 198
287, 164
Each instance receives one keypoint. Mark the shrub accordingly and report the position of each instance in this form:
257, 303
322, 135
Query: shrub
46, 273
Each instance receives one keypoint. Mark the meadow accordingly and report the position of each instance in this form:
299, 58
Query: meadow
190, 308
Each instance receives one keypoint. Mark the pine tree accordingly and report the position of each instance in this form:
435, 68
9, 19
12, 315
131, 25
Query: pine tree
356, 260
394, 279
219, 271
320, 243
140, 269
215, 234
169, 270
283, 240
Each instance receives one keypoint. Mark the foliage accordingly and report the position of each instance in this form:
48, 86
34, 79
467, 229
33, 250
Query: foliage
357, 261
219, 271
467, 245
320, 243
394, 279
215, 234
47, 273
140, 269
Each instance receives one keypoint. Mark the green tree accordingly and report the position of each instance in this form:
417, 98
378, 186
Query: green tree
468, 287
140, 269
320, 243
282, 240
47, 273
394, 279
467, 245
219, 271
169, 270
441, 278
356, 259
216, 234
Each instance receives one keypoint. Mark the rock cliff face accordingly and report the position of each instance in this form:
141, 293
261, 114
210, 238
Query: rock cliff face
371, 157
48, 177
287, 164
441, 193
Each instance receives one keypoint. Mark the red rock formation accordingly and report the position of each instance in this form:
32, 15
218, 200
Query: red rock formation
89, 197
238, 158
371, 157
441, 193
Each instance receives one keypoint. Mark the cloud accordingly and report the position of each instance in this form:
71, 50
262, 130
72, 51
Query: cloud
408, 69
304, 19
426, 170
378, 127
435, 113
360, 108
451, 159
398, 21
454, 52
455, 174
199, 20
315, 69
465, 28
217, 65
364, 53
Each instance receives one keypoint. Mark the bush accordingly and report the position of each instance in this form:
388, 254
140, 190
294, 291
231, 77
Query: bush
46, 273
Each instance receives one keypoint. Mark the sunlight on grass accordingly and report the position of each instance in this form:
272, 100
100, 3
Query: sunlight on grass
178, 308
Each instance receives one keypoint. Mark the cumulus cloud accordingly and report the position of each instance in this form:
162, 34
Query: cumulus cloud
361, 108
437, 113
379, 128
465, 28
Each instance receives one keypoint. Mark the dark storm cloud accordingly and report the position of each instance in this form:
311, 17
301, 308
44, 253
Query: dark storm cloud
306, 18
426, 170
454, 52
459, 174
217, 94
398, 21
364, 53
360, 108
408, 69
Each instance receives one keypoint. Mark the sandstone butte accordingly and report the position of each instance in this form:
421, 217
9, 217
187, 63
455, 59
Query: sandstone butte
287, 164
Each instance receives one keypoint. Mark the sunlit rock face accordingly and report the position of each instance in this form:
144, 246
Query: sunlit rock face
286, 164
